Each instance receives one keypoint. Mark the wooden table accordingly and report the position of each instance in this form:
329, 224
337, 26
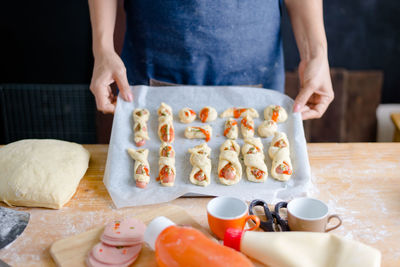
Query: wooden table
359, 181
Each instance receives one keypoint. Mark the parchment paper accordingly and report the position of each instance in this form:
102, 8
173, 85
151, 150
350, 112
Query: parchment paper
118, 176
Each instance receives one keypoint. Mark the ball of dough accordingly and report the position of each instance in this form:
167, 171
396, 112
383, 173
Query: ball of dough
208, 114
267, 128
41, 173
187, 115
275, 113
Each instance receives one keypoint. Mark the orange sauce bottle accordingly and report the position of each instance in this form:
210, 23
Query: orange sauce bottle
184, 246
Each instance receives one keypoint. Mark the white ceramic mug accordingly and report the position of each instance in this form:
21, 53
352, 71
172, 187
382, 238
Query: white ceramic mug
311, 215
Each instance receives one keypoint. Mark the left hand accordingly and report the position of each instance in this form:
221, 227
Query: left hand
316, 92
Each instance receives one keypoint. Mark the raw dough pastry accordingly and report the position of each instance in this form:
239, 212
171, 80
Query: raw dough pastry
142, 167
279, 152
267, 128
231, 129
187, 115
164, 111
281, 168
128, 232
253, 155
41, 173
166, 131
229, 168
275, 113
199, 132
239, 112
279, 142
201, 162
166, 164
140, 117
247, 127
208, 114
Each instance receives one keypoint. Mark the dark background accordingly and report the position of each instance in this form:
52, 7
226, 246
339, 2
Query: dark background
362, 35
49, 42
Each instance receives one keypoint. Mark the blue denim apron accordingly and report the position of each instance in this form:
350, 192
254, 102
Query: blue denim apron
204, 42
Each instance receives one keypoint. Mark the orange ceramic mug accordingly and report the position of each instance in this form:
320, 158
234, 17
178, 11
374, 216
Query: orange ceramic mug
228, 212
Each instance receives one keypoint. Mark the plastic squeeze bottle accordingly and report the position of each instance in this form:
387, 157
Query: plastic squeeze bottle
302, 249
184, 246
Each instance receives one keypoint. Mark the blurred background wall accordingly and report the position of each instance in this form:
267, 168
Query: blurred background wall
46, 50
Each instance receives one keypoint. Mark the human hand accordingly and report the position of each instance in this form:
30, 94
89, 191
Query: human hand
316, 91
109, 68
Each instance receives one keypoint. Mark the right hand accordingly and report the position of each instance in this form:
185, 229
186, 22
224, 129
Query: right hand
109, 68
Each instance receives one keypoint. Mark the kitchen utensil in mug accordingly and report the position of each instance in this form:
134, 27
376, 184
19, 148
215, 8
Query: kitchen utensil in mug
311, 215
274, 222
228, 212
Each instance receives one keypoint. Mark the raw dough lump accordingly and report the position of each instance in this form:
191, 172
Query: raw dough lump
247, 127
267, 128
187, 115
208, 114
41, 173
275, 113
199, 132
239, 113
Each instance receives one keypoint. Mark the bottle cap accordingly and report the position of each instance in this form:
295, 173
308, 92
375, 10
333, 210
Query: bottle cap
232, 238
155, 227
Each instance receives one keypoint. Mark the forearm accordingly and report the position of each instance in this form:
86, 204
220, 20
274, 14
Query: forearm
102, 16
308, 26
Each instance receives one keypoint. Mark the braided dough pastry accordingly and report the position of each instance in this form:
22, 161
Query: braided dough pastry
187, 115
164, 111
166, 165
166, 131
267, 128
279, 152
275, 113
208, 114
229, 168
140, 117
199, 132
201, 162
239, 113
279, 142
231, 129
247, 127
141, 168
253, 155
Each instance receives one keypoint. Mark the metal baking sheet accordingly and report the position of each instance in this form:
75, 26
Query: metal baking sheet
118, 176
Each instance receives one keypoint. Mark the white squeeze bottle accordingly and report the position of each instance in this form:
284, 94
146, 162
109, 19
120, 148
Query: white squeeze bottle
308, 249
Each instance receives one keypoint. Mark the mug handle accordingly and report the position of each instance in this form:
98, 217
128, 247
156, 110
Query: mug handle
255, 219
336, 226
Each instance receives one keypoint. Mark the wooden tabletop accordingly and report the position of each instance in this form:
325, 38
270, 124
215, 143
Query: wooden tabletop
359, 181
